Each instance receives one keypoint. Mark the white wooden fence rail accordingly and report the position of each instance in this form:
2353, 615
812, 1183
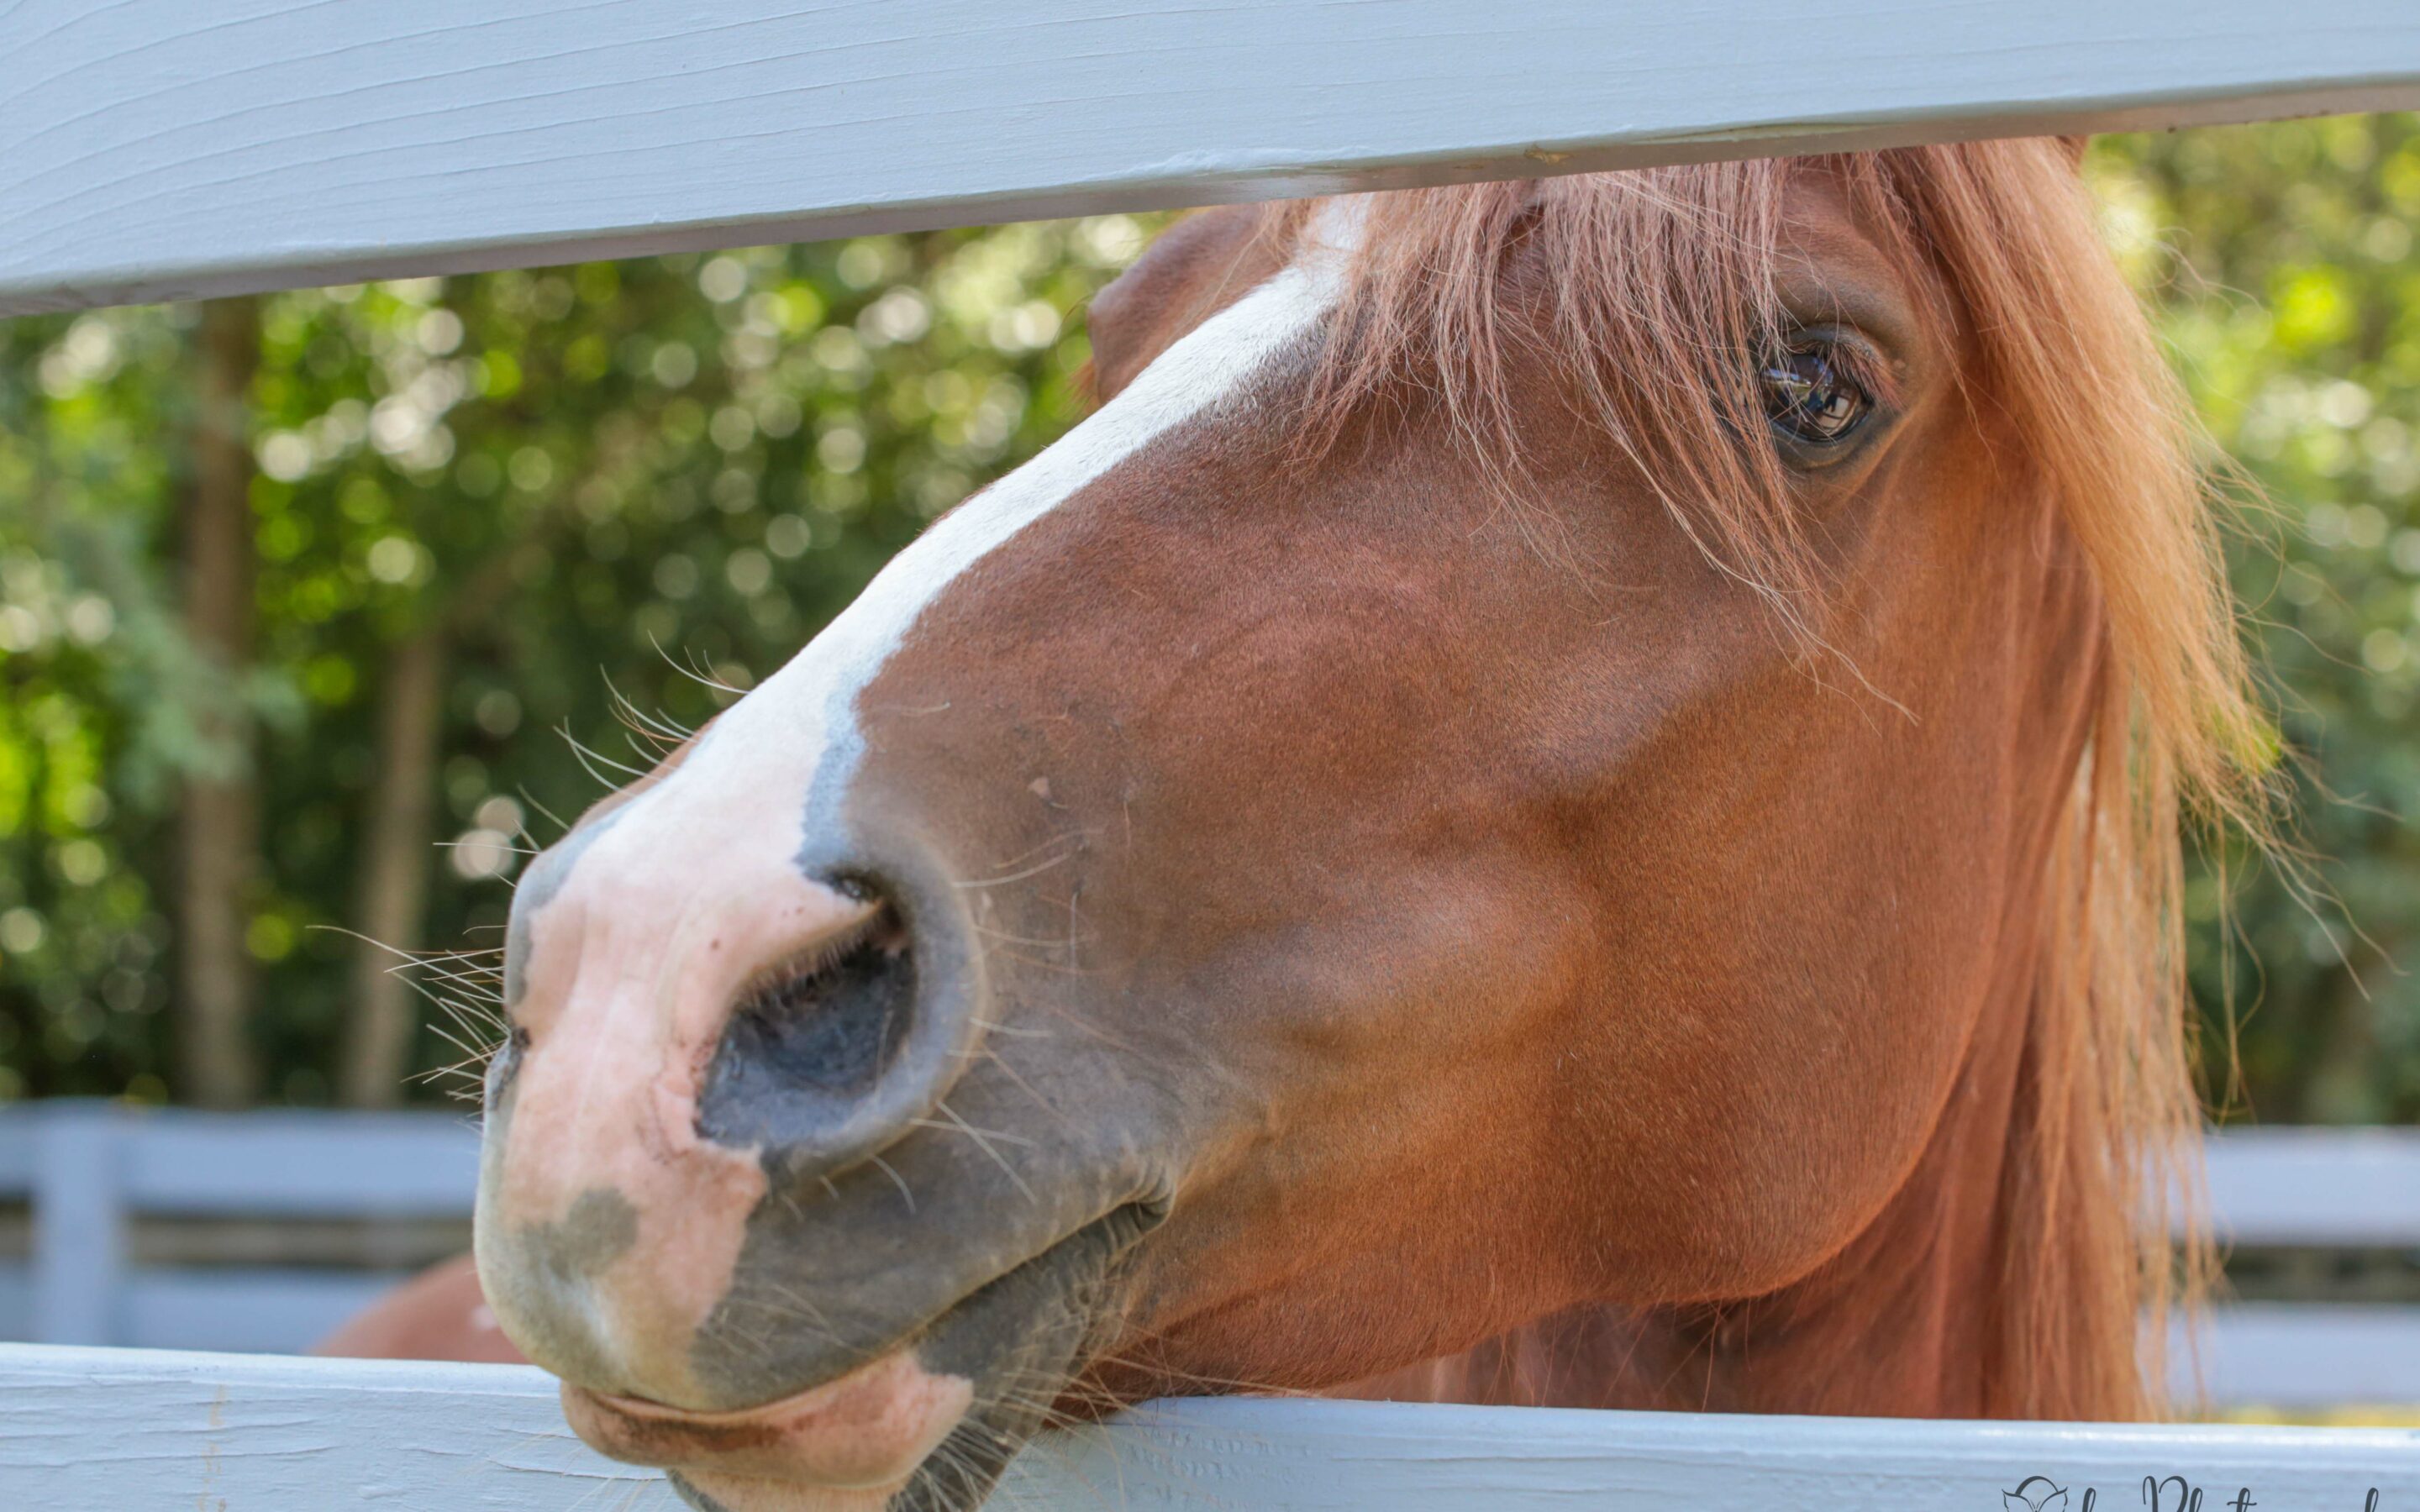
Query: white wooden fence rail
167, 148
90, 1170
132, 1430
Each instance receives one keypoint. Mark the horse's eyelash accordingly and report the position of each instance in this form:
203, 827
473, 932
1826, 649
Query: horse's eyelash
1853, 360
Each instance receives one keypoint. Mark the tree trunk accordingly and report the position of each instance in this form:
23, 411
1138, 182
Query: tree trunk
392, 910
220, 819
2339, 1081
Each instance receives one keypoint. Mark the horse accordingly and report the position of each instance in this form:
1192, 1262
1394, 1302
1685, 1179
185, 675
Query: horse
1569, 793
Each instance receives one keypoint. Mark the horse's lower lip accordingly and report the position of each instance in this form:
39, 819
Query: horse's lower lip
847, 1444
870, 1429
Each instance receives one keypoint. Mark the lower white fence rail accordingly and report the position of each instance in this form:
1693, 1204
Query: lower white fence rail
135, 1429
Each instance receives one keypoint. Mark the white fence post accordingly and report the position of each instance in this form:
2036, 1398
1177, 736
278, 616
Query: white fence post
79, 1225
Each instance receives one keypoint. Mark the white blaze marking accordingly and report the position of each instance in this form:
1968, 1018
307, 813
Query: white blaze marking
797, 732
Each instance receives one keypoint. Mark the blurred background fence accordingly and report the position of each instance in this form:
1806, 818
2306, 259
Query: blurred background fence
320, 609
168, 1228
180, 1229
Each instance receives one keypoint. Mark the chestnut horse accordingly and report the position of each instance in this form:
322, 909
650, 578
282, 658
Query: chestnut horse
1568, 795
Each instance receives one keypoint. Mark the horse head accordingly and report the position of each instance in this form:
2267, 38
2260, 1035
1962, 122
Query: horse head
1536, 751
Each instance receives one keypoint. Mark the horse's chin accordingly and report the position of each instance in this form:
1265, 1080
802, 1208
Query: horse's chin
851, 1441
926, 1427
710, 1492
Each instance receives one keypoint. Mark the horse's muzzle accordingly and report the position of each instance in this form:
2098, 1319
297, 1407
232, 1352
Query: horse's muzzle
683, 1056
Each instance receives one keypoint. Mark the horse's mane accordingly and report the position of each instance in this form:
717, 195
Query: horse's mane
1672, 267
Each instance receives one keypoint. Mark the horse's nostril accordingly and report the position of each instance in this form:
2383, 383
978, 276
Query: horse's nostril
812, 1038
831, 1020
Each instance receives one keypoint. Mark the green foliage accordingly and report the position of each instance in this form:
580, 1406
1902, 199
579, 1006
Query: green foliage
616, 475
2281, 258
99, 689
647, 476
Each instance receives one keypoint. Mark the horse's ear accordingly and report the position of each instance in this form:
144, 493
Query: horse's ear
2075, 146
1177, 282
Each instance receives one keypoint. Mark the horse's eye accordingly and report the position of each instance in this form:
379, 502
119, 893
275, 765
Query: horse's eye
1807, 398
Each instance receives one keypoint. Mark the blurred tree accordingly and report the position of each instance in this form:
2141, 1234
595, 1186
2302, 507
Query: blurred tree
486, 514
218, 860
101, 692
